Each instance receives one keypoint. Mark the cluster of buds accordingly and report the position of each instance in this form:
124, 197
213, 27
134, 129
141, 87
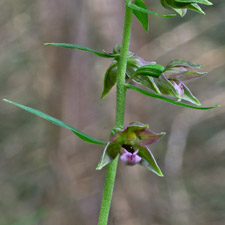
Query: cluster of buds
181, 6
161, 80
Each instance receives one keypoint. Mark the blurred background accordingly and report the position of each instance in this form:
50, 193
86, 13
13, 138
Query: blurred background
47, 174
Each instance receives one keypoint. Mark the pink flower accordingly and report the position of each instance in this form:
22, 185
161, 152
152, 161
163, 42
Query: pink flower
131, 144
129, 158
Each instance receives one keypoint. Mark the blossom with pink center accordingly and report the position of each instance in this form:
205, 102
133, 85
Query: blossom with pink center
130, 143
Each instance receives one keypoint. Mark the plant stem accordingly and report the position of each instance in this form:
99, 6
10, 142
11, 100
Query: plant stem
120, 109
121, 89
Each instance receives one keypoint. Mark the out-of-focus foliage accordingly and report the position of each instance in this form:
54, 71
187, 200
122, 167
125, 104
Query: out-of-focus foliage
48, 169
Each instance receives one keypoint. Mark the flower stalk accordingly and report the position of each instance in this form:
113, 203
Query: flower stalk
120, 110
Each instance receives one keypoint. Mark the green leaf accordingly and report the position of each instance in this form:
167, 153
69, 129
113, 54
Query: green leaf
148, 161
141, 16
110, 78
51, 119
205, 2
149, 94
153, 70
79, 47
135, 7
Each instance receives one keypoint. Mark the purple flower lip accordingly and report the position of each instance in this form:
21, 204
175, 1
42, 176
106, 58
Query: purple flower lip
129, 158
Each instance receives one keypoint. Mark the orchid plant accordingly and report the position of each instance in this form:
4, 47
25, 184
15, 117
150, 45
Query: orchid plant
128, 71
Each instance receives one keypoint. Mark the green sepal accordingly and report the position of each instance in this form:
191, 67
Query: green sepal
148, 82
181, 62
51, 119
115, 130
163, 98
79, 47
177, 5
153, 70
204, 2
166, 87
141, 16
135, 7
110, 78
110, 152
144, 80
188, 96
181, 12
177, 74
148, 161
195, 7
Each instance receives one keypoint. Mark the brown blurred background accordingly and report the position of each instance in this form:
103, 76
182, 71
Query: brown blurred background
47, 174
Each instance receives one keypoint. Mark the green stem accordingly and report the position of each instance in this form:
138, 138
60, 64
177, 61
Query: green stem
120, 109
121, 89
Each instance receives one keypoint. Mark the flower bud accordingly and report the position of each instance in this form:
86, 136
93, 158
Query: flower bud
181, 6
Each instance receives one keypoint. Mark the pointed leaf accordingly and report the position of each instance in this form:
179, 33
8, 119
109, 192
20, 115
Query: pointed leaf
148, 161
51, 119
154, 70
205, 2
110, 79
135, 7
79, 47
142, 17
149, 94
